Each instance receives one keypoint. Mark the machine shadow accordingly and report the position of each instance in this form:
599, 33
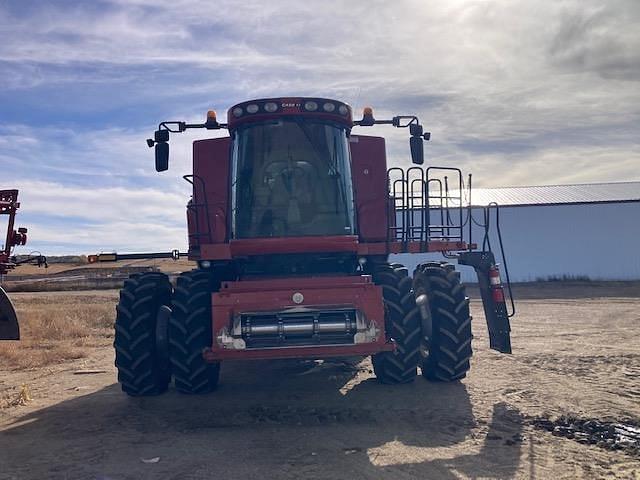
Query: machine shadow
288, 417
499, 456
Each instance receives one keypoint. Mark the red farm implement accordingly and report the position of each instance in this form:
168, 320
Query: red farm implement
9, 328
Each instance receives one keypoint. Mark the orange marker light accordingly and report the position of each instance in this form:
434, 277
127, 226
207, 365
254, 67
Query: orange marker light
367, 117
211, 116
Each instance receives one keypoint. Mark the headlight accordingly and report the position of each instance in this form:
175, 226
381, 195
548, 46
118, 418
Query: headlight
271, 107
328, 107
311, 106
343, 110
252, 108
237, 112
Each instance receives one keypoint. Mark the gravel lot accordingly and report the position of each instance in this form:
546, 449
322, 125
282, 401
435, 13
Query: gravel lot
574, 358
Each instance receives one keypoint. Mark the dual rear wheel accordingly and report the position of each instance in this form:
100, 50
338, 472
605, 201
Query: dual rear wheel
145, 360
437, 337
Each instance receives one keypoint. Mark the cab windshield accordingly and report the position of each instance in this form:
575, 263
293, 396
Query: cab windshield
291, 178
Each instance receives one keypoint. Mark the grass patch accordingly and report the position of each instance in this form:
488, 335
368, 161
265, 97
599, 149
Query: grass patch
58, 328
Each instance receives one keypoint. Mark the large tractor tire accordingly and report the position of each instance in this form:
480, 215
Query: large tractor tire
448, 337
141, 370
190, 333
402, 324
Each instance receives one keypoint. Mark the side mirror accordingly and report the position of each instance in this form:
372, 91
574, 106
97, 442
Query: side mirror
417, 150
162, 156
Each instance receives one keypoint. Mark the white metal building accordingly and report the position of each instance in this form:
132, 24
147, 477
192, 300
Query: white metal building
587, 230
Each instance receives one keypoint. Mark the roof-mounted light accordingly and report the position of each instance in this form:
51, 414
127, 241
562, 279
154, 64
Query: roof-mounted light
367, 117
310, 106
212, 121
270, 107
257, 109
329, 107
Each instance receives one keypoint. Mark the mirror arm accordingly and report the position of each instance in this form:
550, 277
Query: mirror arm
418, 135
179, 127
398, 121
160, 138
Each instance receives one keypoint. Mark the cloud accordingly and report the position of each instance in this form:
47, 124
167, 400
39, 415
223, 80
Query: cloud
101, 204
120, 236
597, 39
518, 92
64, 219
90, 158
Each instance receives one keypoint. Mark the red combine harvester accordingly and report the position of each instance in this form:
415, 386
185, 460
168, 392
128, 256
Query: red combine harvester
9, 328
291, 222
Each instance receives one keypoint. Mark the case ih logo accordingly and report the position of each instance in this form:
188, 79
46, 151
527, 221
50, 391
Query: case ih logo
291, 104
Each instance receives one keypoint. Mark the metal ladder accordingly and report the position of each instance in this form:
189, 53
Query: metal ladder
425, 206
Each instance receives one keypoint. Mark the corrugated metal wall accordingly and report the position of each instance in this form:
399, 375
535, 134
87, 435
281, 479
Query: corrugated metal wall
599, 241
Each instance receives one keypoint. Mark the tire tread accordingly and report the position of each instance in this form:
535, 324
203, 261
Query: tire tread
450, 347
402, 324
139, 373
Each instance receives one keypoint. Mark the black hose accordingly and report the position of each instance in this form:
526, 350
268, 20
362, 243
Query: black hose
502, 254
486, 241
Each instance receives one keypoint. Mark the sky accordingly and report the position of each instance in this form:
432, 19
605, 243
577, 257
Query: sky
517, 92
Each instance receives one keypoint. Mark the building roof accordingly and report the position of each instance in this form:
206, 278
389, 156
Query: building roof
558, 194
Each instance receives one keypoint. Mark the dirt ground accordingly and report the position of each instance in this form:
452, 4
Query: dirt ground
332, 420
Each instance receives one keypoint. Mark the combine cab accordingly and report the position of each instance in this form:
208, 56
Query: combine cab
291, 222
